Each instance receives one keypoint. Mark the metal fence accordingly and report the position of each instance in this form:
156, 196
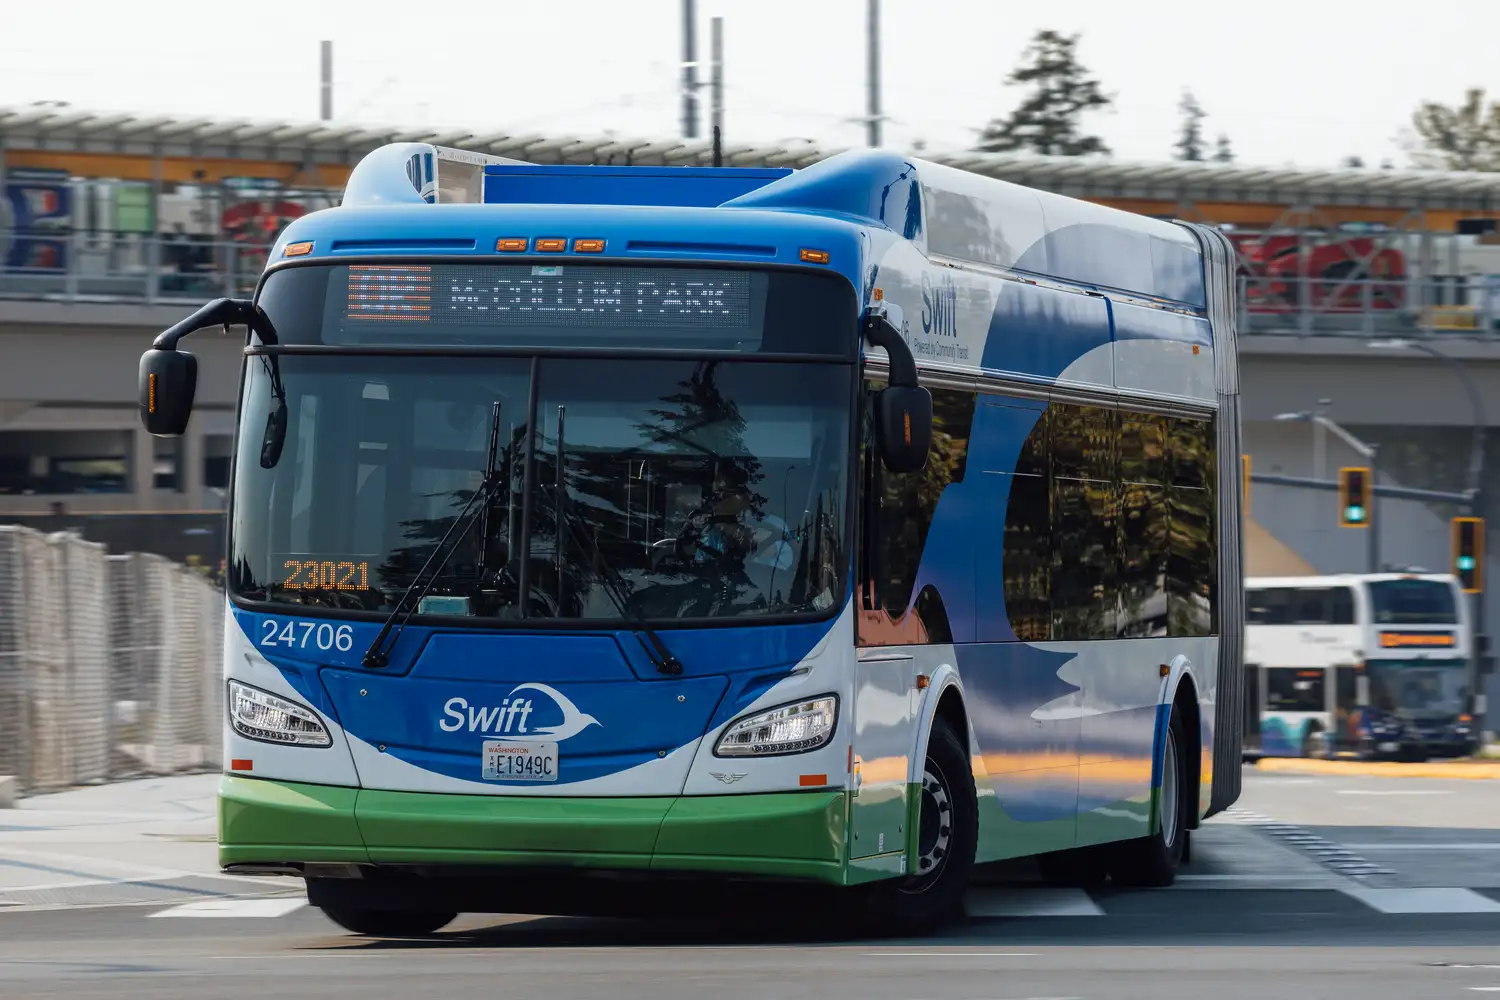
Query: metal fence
109, 664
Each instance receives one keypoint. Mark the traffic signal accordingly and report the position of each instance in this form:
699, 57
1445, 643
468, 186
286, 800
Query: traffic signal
1354, 498
1468, 553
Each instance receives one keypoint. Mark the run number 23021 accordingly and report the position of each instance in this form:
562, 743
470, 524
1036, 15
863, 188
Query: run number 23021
303, 635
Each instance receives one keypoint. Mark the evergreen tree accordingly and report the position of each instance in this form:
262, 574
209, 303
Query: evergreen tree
1189, 145
1223, 153
1461, 137
1060, 93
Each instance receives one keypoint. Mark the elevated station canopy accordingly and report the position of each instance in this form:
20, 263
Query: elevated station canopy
333, 147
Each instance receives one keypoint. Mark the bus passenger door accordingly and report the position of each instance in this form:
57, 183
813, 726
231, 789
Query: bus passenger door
884, 709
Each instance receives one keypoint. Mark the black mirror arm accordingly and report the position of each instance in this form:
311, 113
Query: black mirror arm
219, 312
880, 332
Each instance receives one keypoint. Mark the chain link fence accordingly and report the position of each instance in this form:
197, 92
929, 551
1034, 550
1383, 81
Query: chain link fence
109, 664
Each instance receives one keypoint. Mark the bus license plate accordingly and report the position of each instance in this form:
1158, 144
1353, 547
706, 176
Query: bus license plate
519, 761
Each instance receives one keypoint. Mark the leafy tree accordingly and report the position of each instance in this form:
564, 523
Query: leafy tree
1223, 152
1464, 136
1353, 163
1189, 143
1060, 93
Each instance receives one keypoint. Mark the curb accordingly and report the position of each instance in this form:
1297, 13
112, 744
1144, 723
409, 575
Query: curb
1476, 771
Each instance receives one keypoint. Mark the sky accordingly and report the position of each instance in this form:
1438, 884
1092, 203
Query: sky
1304, 84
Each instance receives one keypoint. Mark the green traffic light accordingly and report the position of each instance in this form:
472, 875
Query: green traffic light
1354, 512
1466, 563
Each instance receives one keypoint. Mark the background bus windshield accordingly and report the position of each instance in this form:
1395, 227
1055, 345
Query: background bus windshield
703, 489
1413, 602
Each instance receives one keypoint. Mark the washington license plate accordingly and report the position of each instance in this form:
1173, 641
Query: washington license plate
519, 760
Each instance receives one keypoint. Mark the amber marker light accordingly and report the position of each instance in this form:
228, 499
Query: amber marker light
297, 249
588, 246
551, 245
511, 244
815, 256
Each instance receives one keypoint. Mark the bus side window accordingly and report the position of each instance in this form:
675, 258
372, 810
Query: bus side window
1192, 575
899, 511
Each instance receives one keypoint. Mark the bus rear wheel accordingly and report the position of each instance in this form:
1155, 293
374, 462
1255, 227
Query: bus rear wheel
387, 923
1153, 861
947, 837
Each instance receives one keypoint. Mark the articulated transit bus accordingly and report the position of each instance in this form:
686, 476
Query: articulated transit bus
846, 527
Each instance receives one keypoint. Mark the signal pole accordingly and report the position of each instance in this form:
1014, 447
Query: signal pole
689, 69
716, 86
326, 104
872, 71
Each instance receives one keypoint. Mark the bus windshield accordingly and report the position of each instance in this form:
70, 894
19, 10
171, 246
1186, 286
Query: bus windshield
702, 489
1419, 687
1413, 602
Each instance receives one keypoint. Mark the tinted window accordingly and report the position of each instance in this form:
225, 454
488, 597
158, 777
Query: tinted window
1083, 442
1192, 570
1295, 690
1413, 602
1027, 561
1190, 445
901, 513
1083, 559
1143, 449
1142, 572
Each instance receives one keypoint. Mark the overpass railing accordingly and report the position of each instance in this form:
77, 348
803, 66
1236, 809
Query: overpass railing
122, 267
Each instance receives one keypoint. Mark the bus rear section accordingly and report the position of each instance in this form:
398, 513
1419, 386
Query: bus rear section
1368, 665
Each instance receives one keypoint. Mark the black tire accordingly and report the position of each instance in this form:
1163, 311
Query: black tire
947, 837
1152, 862
388, 923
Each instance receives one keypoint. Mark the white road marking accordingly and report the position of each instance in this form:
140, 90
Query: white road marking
952, 954
236, 908
1423, 900
1481, 846
1391, 791
1031, 903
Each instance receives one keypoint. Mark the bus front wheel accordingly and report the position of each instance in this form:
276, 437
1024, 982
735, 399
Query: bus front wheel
387, 923
947, 837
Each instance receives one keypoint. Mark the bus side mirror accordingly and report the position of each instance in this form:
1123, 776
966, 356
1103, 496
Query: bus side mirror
903, 409
903, 427
167, 382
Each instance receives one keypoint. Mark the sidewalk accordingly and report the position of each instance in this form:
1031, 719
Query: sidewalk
134, 841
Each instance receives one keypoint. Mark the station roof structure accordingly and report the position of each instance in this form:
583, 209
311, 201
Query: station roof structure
63, 128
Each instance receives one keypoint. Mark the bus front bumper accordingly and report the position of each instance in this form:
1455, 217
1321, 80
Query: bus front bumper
279, 825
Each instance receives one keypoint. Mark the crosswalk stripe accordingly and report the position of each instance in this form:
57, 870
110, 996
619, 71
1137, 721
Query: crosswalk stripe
1423, 900
235, 908
1031, 903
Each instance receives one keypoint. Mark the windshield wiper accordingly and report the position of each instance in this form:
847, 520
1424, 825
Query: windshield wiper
616, 590
614, 584
378, 655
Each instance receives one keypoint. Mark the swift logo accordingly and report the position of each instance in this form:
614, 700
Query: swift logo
510, 716
939, 306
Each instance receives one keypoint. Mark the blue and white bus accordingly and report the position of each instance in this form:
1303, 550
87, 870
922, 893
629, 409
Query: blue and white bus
848, 526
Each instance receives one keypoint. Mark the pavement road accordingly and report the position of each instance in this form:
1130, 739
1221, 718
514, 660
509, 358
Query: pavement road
1315, 886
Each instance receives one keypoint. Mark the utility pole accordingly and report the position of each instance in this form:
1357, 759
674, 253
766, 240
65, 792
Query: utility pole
326, 105
689, 69
872, 71
716, 72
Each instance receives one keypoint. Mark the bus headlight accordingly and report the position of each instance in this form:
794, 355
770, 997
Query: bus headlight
796, 727
260, 715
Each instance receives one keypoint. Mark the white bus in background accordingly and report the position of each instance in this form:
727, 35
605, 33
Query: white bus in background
1379, 665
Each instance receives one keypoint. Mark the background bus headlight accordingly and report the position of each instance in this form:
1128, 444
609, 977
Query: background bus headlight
793, 728
260, 715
